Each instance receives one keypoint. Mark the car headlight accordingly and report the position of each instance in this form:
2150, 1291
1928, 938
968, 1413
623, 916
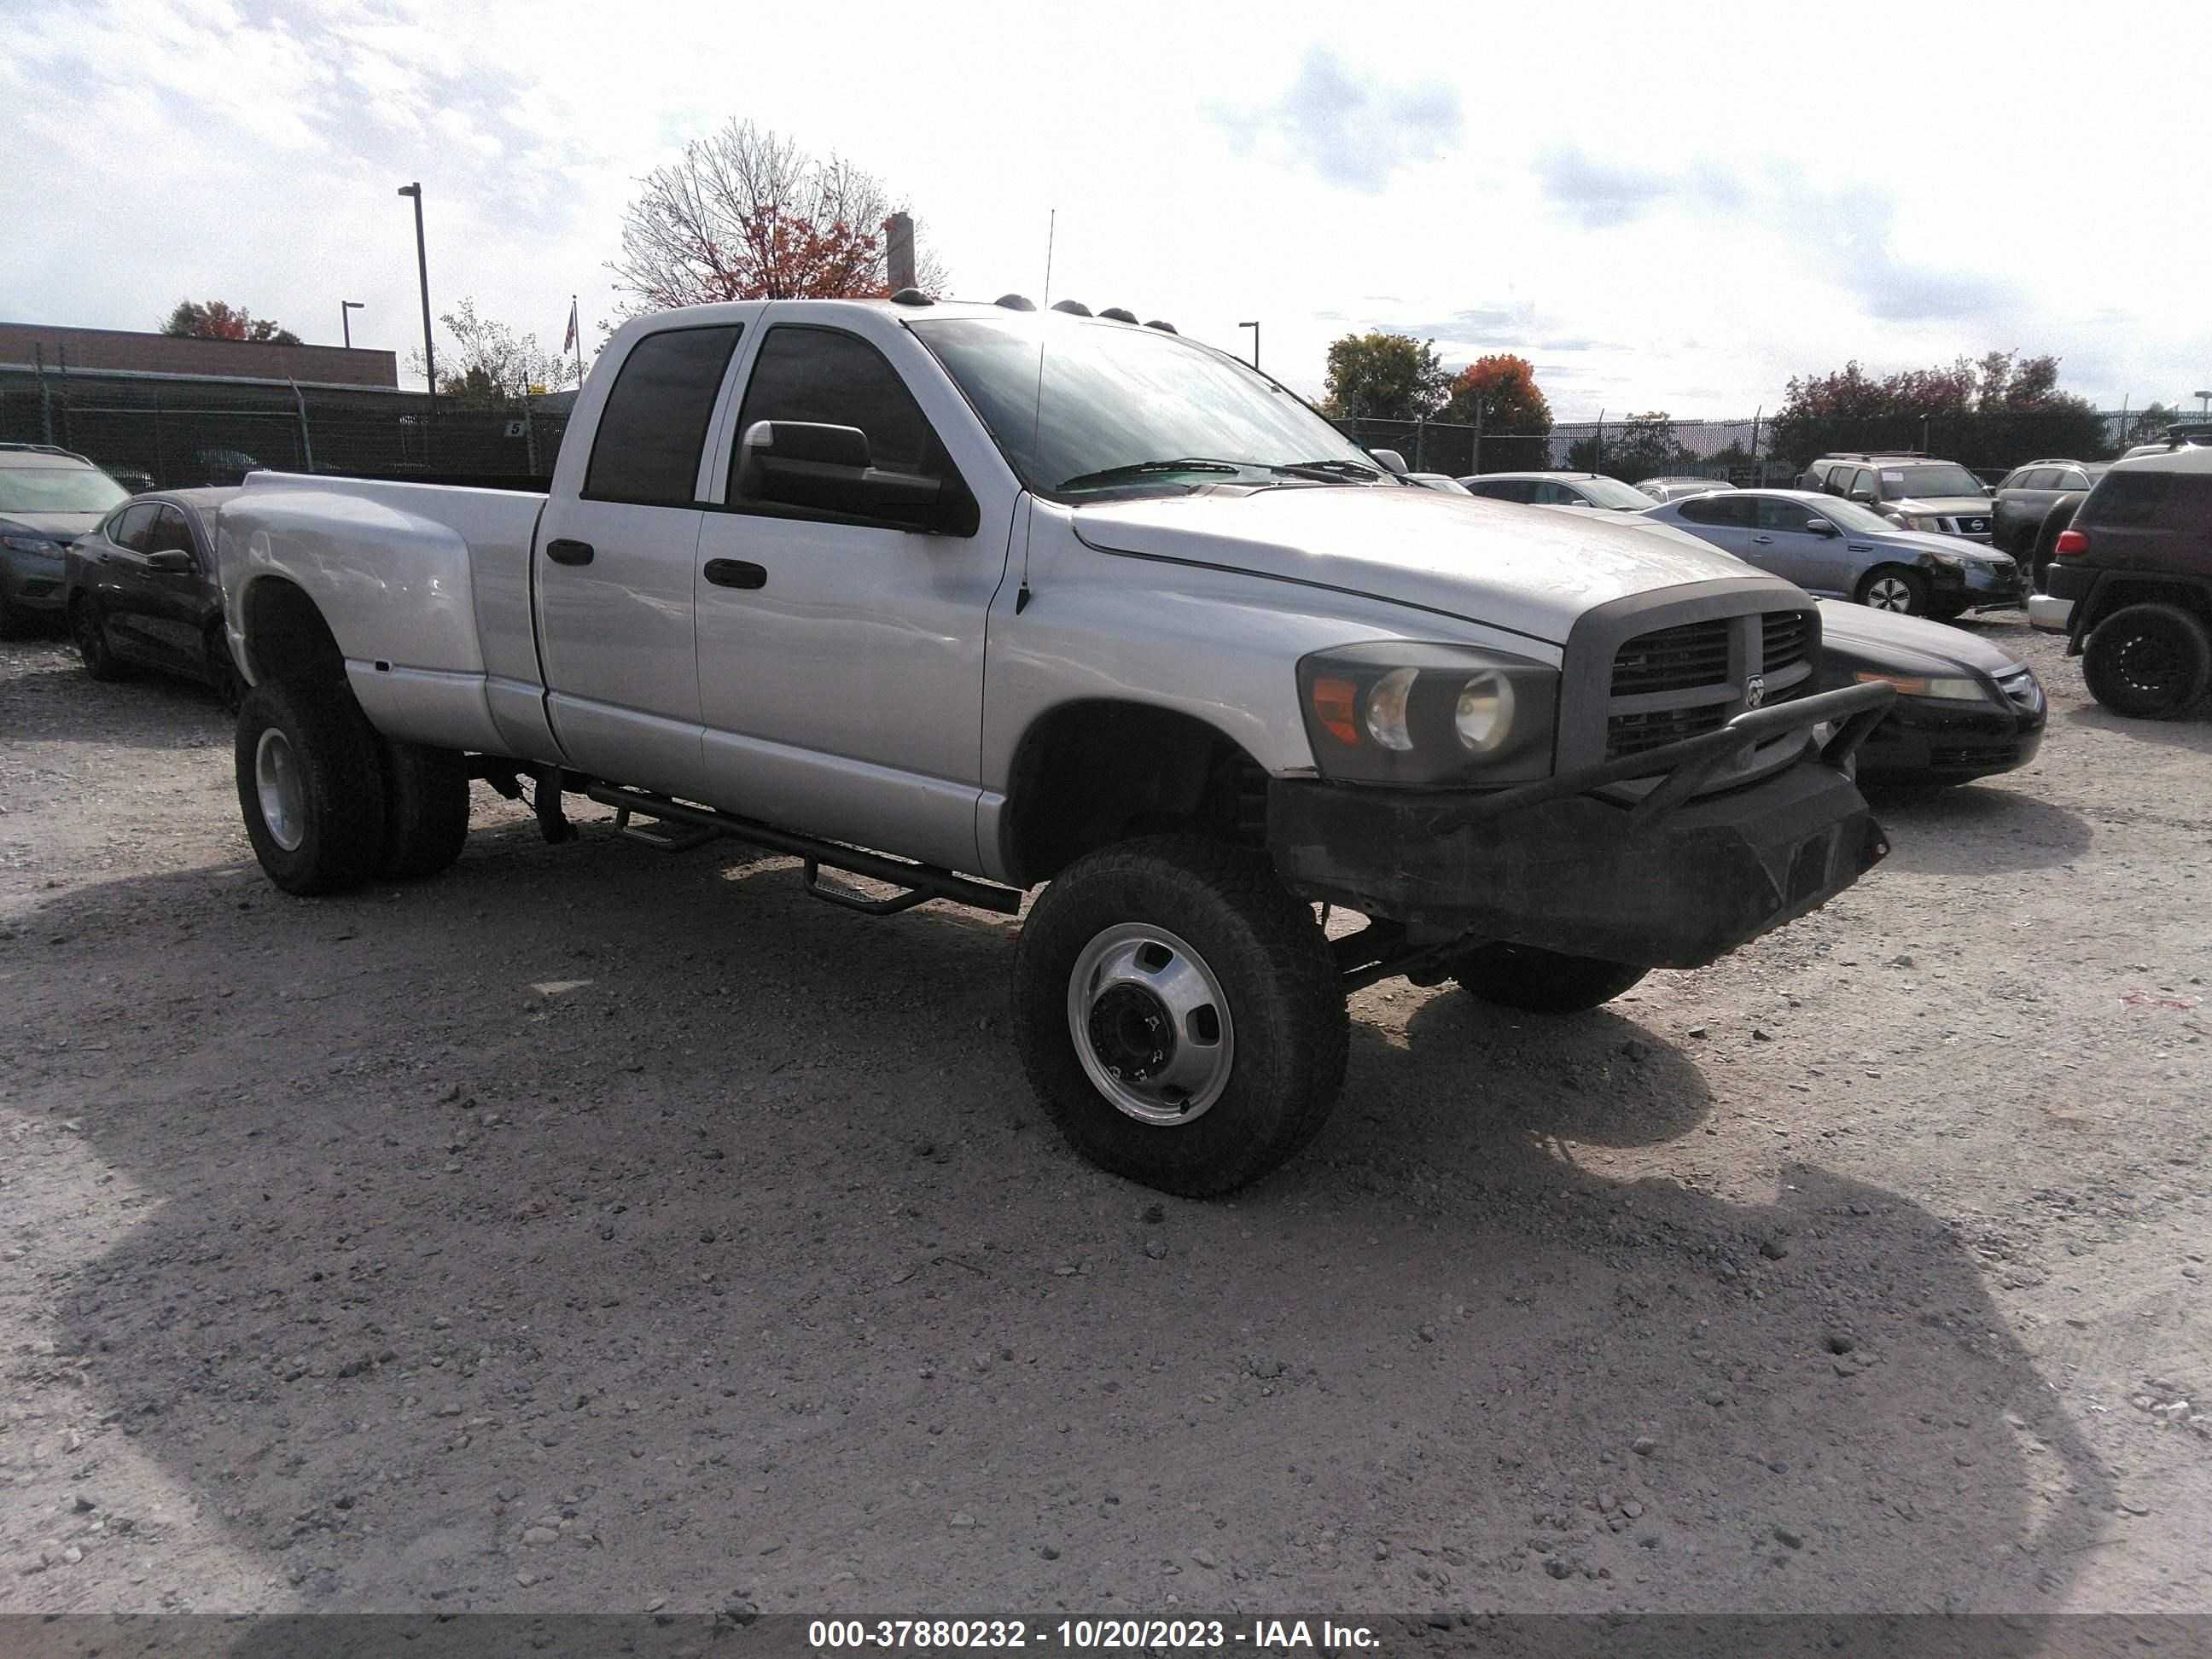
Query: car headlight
33, 544
1948, 561
1393, 712
1935, 688
1925, 521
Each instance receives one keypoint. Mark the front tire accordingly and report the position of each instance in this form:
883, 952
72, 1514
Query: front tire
2147, 662
1894, 588
1179, 1013
1538, 982
311, 787
90, 634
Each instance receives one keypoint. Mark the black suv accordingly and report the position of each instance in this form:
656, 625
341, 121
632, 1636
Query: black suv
1912, 491
2136, 564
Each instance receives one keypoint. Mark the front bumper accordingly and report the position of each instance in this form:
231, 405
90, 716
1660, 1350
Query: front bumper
1668, 880
1978, 587
1929, 741
30, 582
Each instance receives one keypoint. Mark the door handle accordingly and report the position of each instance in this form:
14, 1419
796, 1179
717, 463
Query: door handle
561, 550
1763, 540
735, 573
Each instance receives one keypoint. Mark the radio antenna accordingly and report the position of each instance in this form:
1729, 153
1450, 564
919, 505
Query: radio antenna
1036, 414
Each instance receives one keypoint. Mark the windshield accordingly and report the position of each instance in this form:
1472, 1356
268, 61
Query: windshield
58, 490
1611, 492
1116, 397
1849, 515
1898, 482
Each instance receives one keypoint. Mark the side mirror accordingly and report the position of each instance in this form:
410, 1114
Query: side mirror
169, 561
1821, 527
1392, 461
1863, 497
830, 468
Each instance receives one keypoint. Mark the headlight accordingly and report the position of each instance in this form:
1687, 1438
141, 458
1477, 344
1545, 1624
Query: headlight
1948, 561
1397, 713
1940, 687
33, 544
1925, 521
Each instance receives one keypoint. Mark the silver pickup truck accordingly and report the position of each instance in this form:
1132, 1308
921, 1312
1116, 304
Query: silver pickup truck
968, 599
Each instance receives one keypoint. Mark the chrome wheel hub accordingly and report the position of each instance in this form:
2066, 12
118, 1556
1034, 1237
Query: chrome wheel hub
277, 782
1151, 1024
1890, 594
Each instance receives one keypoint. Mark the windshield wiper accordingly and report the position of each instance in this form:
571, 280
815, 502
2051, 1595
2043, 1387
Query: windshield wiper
1330, 470
1142, 469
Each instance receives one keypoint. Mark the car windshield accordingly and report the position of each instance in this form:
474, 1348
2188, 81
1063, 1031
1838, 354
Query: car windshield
1116, 407
58, 490
1898, 482
1611, 492
1848, 515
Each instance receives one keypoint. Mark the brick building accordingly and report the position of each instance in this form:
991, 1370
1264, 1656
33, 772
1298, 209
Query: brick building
22, 344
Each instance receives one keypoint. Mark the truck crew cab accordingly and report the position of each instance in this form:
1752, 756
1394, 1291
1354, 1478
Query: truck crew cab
974, 599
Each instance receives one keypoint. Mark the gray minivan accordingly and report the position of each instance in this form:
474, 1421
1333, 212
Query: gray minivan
1830, 546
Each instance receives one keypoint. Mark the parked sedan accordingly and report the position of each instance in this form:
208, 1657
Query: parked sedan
1442, 483
48, 498
1833, 547
1675, 489
1966, 708
1586, 490
141, 592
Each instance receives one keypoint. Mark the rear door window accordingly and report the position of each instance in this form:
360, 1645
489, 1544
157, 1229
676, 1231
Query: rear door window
2044, 477
654, 425
2133, 500
1788, 517
170, 533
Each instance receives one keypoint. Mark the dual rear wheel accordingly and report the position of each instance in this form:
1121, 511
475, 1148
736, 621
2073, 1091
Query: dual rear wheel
329, 803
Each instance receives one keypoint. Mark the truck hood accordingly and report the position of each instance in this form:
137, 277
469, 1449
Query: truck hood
1494, 562
1910, 645
62, 527
1949, 505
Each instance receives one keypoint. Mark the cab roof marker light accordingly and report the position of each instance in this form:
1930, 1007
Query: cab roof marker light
911, 296
1120, 314
1164, 328
1015, 302
1072, 308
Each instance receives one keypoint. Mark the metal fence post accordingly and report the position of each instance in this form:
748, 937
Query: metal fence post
45, 393
307, 443
1421, 435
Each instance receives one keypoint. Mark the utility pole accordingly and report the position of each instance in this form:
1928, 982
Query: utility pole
1254, 327
422, 270
346, 309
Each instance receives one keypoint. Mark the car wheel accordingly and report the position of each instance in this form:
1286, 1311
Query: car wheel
1892, 587
223, 675
1539, 982
311, 787
89, 630
2147, 662
1179, 1013
426, 809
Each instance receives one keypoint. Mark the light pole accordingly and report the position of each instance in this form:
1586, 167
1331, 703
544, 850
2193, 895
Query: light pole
422, 270
1254, 327
346, 309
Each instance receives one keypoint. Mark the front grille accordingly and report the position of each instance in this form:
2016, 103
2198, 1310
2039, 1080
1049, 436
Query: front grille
38, 588
1676, 683
1673, 659
1631, 734
1987, 757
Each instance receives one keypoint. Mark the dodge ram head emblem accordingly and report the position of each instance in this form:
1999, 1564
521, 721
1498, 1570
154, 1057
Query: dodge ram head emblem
1754, 691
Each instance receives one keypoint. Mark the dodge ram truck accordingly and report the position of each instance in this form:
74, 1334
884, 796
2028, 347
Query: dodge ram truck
965, 600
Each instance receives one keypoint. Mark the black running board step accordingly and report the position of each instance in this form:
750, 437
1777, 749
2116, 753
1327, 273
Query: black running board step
919, 883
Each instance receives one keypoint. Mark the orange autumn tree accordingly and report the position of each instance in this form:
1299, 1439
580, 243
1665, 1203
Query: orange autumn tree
748, 214
1499, 394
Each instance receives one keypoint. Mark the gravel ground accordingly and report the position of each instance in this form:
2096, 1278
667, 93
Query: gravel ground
591, 1229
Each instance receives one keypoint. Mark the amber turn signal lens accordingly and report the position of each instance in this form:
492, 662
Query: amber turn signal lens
1336, 706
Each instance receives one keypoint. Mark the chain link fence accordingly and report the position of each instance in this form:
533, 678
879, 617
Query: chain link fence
1761, 450
173, 432
180, 430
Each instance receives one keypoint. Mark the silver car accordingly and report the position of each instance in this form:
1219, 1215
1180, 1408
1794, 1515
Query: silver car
1585, 490
1836, 548
1675, 490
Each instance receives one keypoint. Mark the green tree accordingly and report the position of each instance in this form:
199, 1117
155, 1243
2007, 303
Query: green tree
1640, 447
483, 362
216, 319
1499, 394
1384, 377
1994, 411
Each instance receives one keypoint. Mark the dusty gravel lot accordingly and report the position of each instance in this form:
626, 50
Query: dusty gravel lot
588, 1228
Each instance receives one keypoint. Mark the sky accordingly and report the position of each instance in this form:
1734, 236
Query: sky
1662, 209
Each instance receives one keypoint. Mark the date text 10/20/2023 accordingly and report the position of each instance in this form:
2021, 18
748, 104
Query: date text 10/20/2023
1087, 1634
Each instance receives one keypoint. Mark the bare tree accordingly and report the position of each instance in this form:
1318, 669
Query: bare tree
485, 362
748, 214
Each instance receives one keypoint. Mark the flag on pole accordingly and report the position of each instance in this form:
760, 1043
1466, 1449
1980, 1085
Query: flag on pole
570, 343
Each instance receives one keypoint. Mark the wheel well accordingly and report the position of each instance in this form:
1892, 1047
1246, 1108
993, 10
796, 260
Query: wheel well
1090, 774
286, 637
2114, 593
